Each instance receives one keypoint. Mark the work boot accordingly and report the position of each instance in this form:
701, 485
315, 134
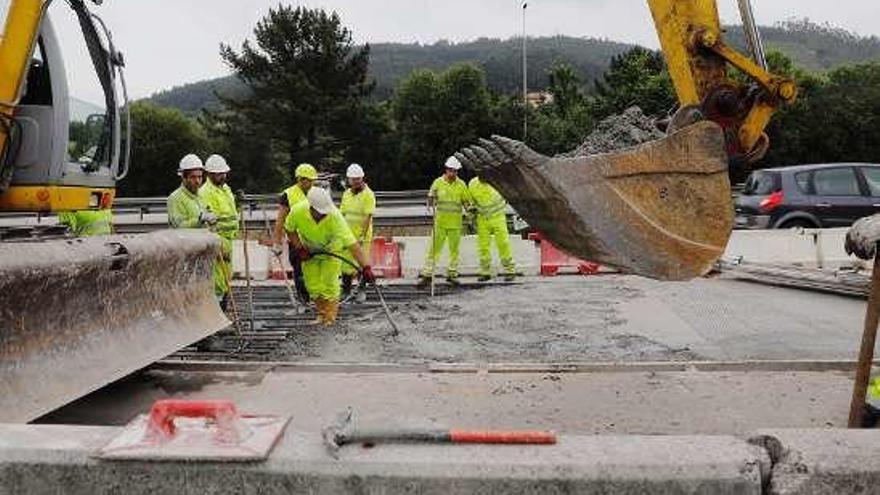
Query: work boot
484, 278
870, 416
320, 312
424, 282
224, 302
453, 280
346, 285
361, 297
332, 311
510, 277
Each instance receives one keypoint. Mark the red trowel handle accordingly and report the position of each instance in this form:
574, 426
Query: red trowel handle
164, 412
508, 437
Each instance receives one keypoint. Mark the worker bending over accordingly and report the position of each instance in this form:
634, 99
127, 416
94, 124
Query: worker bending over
358, 206
449, 198
305, 175
321, 237
491, 222
218, 199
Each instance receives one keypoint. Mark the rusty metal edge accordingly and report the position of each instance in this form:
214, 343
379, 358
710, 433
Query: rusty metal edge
830, 365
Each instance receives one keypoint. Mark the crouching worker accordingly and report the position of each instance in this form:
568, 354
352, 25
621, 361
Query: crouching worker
321, 237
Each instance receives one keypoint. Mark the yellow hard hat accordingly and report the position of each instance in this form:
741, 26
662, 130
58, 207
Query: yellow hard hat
306, 171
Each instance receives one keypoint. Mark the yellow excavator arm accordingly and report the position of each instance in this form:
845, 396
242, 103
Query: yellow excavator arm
16, 49
699, 62
36, 171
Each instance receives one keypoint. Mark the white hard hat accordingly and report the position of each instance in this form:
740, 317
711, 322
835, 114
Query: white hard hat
453, 163
216, 164
354, 171
320, 200
190, 162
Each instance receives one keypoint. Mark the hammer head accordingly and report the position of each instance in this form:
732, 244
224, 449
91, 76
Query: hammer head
336, 433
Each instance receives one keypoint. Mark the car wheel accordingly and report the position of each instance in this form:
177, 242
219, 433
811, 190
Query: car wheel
798, 223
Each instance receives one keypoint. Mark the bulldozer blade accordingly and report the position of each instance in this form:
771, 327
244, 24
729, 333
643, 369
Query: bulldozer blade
661, 210
79, 314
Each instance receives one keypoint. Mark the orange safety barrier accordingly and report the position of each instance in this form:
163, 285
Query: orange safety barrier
553, 259
385, 257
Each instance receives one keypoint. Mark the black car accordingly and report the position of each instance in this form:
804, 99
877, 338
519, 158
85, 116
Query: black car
810, 196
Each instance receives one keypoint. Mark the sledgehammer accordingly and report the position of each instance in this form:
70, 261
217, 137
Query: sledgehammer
344, 433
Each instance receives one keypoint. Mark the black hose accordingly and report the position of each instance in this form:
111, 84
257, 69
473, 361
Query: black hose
12, 128
395, 331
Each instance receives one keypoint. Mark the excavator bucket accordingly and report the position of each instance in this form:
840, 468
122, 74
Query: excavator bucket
78, 314
662, 209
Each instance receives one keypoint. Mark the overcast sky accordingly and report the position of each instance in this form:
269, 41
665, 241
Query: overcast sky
172, 42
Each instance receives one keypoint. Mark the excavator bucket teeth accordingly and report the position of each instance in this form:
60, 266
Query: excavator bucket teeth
78, 314
662, 209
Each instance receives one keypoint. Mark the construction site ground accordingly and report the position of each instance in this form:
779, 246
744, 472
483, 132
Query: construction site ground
605, 354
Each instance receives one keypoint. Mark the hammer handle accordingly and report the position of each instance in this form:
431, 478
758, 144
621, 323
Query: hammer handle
448, 436
503, 437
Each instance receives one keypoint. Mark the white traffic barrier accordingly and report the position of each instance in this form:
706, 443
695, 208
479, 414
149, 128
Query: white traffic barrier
413, 251
815, 248
259, 257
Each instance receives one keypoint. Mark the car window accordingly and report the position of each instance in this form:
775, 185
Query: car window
872, 177
836, 182
762, 183
802, 180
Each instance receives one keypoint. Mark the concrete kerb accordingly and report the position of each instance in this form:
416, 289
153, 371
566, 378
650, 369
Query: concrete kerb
819, 462
54, 459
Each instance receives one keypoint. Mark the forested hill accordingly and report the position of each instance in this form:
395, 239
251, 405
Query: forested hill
500, 59
391, 62
813, 47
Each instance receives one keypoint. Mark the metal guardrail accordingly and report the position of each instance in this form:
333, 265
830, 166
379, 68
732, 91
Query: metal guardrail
156, 204
144, 214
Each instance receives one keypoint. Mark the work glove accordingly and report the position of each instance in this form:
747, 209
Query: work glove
277, 249
863, 236
368, 275
303, 254
208, 218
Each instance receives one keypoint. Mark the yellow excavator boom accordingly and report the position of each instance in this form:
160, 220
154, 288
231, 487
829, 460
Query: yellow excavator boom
699, 63
16, 48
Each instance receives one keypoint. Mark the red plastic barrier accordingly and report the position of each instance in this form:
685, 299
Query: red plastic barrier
385, 255
553, 259
163, 413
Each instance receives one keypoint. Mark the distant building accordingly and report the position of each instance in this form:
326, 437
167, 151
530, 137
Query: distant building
538, 98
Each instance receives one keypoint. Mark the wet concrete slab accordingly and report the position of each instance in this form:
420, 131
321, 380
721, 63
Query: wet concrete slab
605, 318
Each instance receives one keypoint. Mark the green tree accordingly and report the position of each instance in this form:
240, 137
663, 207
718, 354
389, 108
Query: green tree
437, 114
835, 119
255, 162
374, 143
565, 86
637, 77
160, 138
561, 125
306, 79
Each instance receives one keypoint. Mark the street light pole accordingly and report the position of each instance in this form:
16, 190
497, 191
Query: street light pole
525, 71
